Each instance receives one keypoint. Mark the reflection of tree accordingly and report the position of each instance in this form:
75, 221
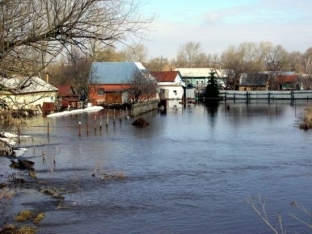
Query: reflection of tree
212, 107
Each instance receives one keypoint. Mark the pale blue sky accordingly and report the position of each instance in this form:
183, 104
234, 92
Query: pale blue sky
218, 24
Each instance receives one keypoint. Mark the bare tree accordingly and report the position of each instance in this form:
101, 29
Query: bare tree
135, 53
107, 54
233, 60
276, 58
74, 70
34, 32
307, 64
157, 64
143, 87
188, 54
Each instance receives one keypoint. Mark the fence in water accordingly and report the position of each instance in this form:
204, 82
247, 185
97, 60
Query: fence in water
269, 95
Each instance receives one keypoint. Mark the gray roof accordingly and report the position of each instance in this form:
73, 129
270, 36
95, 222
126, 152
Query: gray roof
253, 80
23, 85
114, 72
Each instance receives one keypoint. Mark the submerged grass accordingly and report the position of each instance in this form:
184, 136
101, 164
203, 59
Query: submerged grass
23, 216
39, 218
307, 119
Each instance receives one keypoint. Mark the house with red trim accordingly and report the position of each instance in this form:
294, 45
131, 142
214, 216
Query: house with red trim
170, 84
109, 82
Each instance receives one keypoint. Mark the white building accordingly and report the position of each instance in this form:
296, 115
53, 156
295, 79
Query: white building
170, 85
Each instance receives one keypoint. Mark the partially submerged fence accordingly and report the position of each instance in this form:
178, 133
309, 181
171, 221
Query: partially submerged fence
269, 95
143, 107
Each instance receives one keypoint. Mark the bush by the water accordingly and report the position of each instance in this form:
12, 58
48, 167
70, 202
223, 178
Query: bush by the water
307, 119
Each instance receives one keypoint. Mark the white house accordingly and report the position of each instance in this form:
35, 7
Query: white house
170, 84
26, 92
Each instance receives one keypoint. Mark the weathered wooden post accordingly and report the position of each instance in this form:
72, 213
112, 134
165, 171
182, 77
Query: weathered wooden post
94, 124
107, 116
114, 117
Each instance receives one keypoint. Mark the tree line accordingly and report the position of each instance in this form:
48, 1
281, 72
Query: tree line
60, 38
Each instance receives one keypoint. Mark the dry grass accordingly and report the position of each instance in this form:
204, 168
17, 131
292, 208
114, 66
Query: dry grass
39, 218
120, 175
308, 116
25, 230
23, 216
6, 194
307, 119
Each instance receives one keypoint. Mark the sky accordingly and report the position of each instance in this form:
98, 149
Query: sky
219, 24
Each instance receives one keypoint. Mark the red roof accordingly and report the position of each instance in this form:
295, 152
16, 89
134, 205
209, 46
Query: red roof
282, 79
165, 76
65, 90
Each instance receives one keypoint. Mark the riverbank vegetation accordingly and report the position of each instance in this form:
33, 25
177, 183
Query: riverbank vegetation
259, 206
307, 119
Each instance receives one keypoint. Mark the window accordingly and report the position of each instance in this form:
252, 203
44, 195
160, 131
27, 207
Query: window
100, 92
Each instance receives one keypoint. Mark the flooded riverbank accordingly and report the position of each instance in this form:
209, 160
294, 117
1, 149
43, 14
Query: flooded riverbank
189, 171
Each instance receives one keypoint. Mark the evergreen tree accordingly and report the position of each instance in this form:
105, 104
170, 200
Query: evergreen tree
212, 89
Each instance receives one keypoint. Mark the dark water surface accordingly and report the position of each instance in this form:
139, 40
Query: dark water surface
189, 171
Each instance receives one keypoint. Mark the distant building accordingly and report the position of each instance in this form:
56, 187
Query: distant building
254, 81
287, 82
67, 97
170, 84
199, 77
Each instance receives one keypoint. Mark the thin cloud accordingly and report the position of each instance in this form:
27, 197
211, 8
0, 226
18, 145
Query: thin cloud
284, 22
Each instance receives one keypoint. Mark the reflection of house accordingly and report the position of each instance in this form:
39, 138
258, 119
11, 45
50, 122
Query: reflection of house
67, 97
287, 82
26, 92
109, 82
254, 81
170, 84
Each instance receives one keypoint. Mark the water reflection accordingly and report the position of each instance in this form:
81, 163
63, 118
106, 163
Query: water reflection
189, 171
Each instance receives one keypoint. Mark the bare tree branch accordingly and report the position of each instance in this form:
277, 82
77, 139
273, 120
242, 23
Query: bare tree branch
32, 30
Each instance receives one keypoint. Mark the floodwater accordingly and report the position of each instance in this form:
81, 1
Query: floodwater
190, 171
